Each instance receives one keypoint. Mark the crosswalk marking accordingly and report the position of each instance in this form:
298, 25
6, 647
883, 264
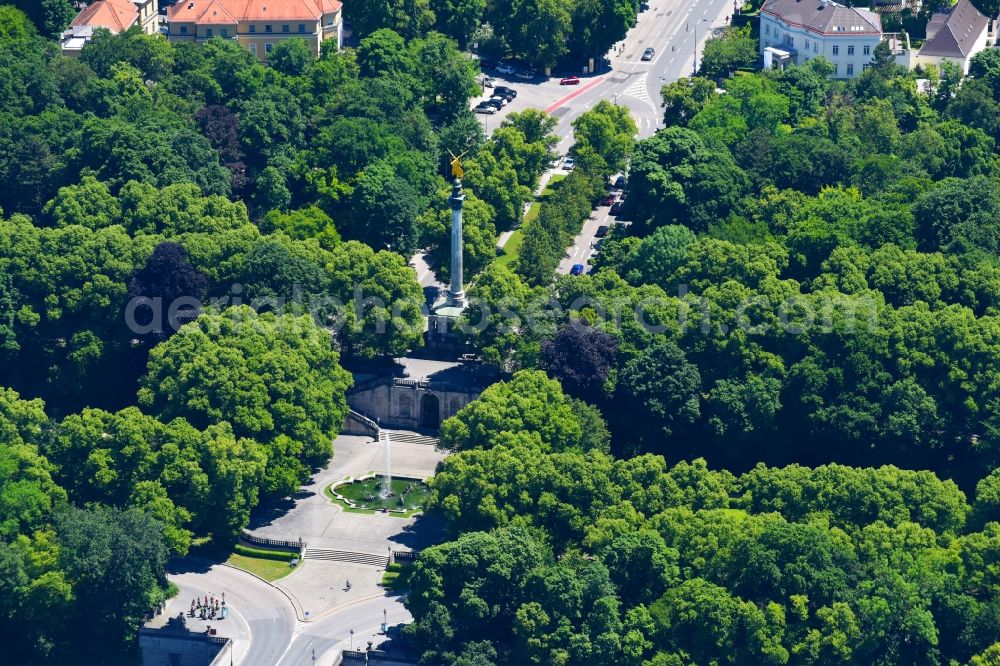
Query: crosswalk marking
638, 90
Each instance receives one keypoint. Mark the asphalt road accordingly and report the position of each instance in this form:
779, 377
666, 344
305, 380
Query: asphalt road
260, 612
263, 623
669, 27
332, 633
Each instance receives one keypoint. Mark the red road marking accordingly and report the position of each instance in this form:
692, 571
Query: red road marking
578, 91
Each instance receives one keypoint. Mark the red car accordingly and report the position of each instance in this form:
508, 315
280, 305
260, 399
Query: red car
570, 81
609, 200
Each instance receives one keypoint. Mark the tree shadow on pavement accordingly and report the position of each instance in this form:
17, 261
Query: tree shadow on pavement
425, 530
267, 512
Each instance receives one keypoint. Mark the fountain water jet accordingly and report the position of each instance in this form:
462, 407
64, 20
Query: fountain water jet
387, 479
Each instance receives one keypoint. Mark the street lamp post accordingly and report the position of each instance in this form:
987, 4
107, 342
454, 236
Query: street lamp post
694, 65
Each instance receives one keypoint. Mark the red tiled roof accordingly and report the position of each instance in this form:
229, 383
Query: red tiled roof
115, 15
216, 12
209, 11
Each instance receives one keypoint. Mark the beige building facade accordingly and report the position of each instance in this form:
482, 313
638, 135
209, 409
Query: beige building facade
258, 25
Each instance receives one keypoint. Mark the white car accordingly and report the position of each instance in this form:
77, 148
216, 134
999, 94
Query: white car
569, 164
505, 68
501, 99
526, 74
482, 108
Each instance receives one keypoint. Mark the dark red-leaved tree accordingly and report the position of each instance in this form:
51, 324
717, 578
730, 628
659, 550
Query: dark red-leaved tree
580, 357
167, 277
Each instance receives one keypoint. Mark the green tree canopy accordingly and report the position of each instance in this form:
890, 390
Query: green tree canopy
275, 379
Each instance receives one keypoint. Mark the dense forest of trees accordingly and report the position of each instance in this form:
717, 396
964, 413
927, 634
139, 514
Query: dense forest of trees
764, 430
801, 315
148, 185
543, 33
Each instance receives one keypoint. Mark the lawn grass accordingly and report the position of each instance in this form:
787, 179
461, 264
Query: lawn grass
555, 179
513, 246
396, 577
509, 252
269, 570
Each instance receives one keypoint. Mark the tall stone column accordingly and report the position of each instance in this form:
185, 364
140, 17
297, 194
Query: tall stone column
456, 294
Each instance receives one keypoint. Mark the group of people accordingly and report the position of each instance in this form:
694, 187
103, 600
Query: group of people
209, 609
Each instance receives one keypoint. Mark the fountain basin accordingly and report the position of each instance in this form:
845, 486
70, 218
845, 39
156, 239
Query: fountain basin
367, 492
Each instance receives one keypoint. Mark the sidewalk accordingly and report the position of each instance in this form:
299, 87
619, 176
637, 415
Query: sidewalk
317, 587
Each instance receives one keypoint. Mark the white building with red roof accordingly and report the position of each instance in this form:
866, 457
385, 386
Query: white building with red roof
258, 25
114, 15
804, 29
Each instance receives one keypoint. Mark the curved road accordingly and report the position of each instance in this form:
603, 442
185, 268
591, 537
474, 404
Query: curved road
259, 611
263, 623
331, 634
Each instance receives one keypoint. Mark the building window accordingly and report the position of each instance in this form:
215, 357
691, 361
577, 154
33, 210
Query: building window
267, 47
850, 50
815, 47
284, 28
253, 28
836, 50
836, 69
302, 27
184, 30
850, 69
225, 32
868, 50
208, 32
807, 45
253, 50
329, 19
267, 28
865, 66
767, 30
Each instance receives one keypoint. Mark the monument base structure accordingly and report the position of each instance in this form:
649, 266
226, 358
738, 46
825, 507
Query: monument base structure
441, 337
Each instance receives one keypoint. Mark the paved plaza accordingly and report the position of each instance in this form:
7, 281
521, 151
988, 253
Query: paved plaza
311, 515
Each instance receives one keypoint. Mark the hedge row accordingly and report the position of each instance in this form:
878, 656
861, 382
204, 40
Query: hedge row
280, 555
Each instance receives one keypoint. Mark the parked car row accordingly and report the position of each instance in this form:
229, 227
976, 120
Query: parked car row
502, 96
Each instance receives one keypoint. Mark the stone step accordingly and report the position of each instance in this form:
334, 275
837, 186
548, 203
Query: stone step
409, 437
328, 555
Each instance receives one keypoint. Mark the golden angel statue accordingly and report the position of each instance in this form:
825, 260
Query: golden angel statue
456, 165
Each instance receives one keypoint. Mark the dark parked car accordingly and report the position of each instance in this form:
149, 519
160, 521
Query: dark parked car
616, 208
509, 93
620, 183
602, 231
576, 270
495, 103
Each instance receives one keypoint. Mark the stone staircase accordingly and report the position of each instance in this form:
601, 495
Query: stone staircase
328, 555
409, 437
